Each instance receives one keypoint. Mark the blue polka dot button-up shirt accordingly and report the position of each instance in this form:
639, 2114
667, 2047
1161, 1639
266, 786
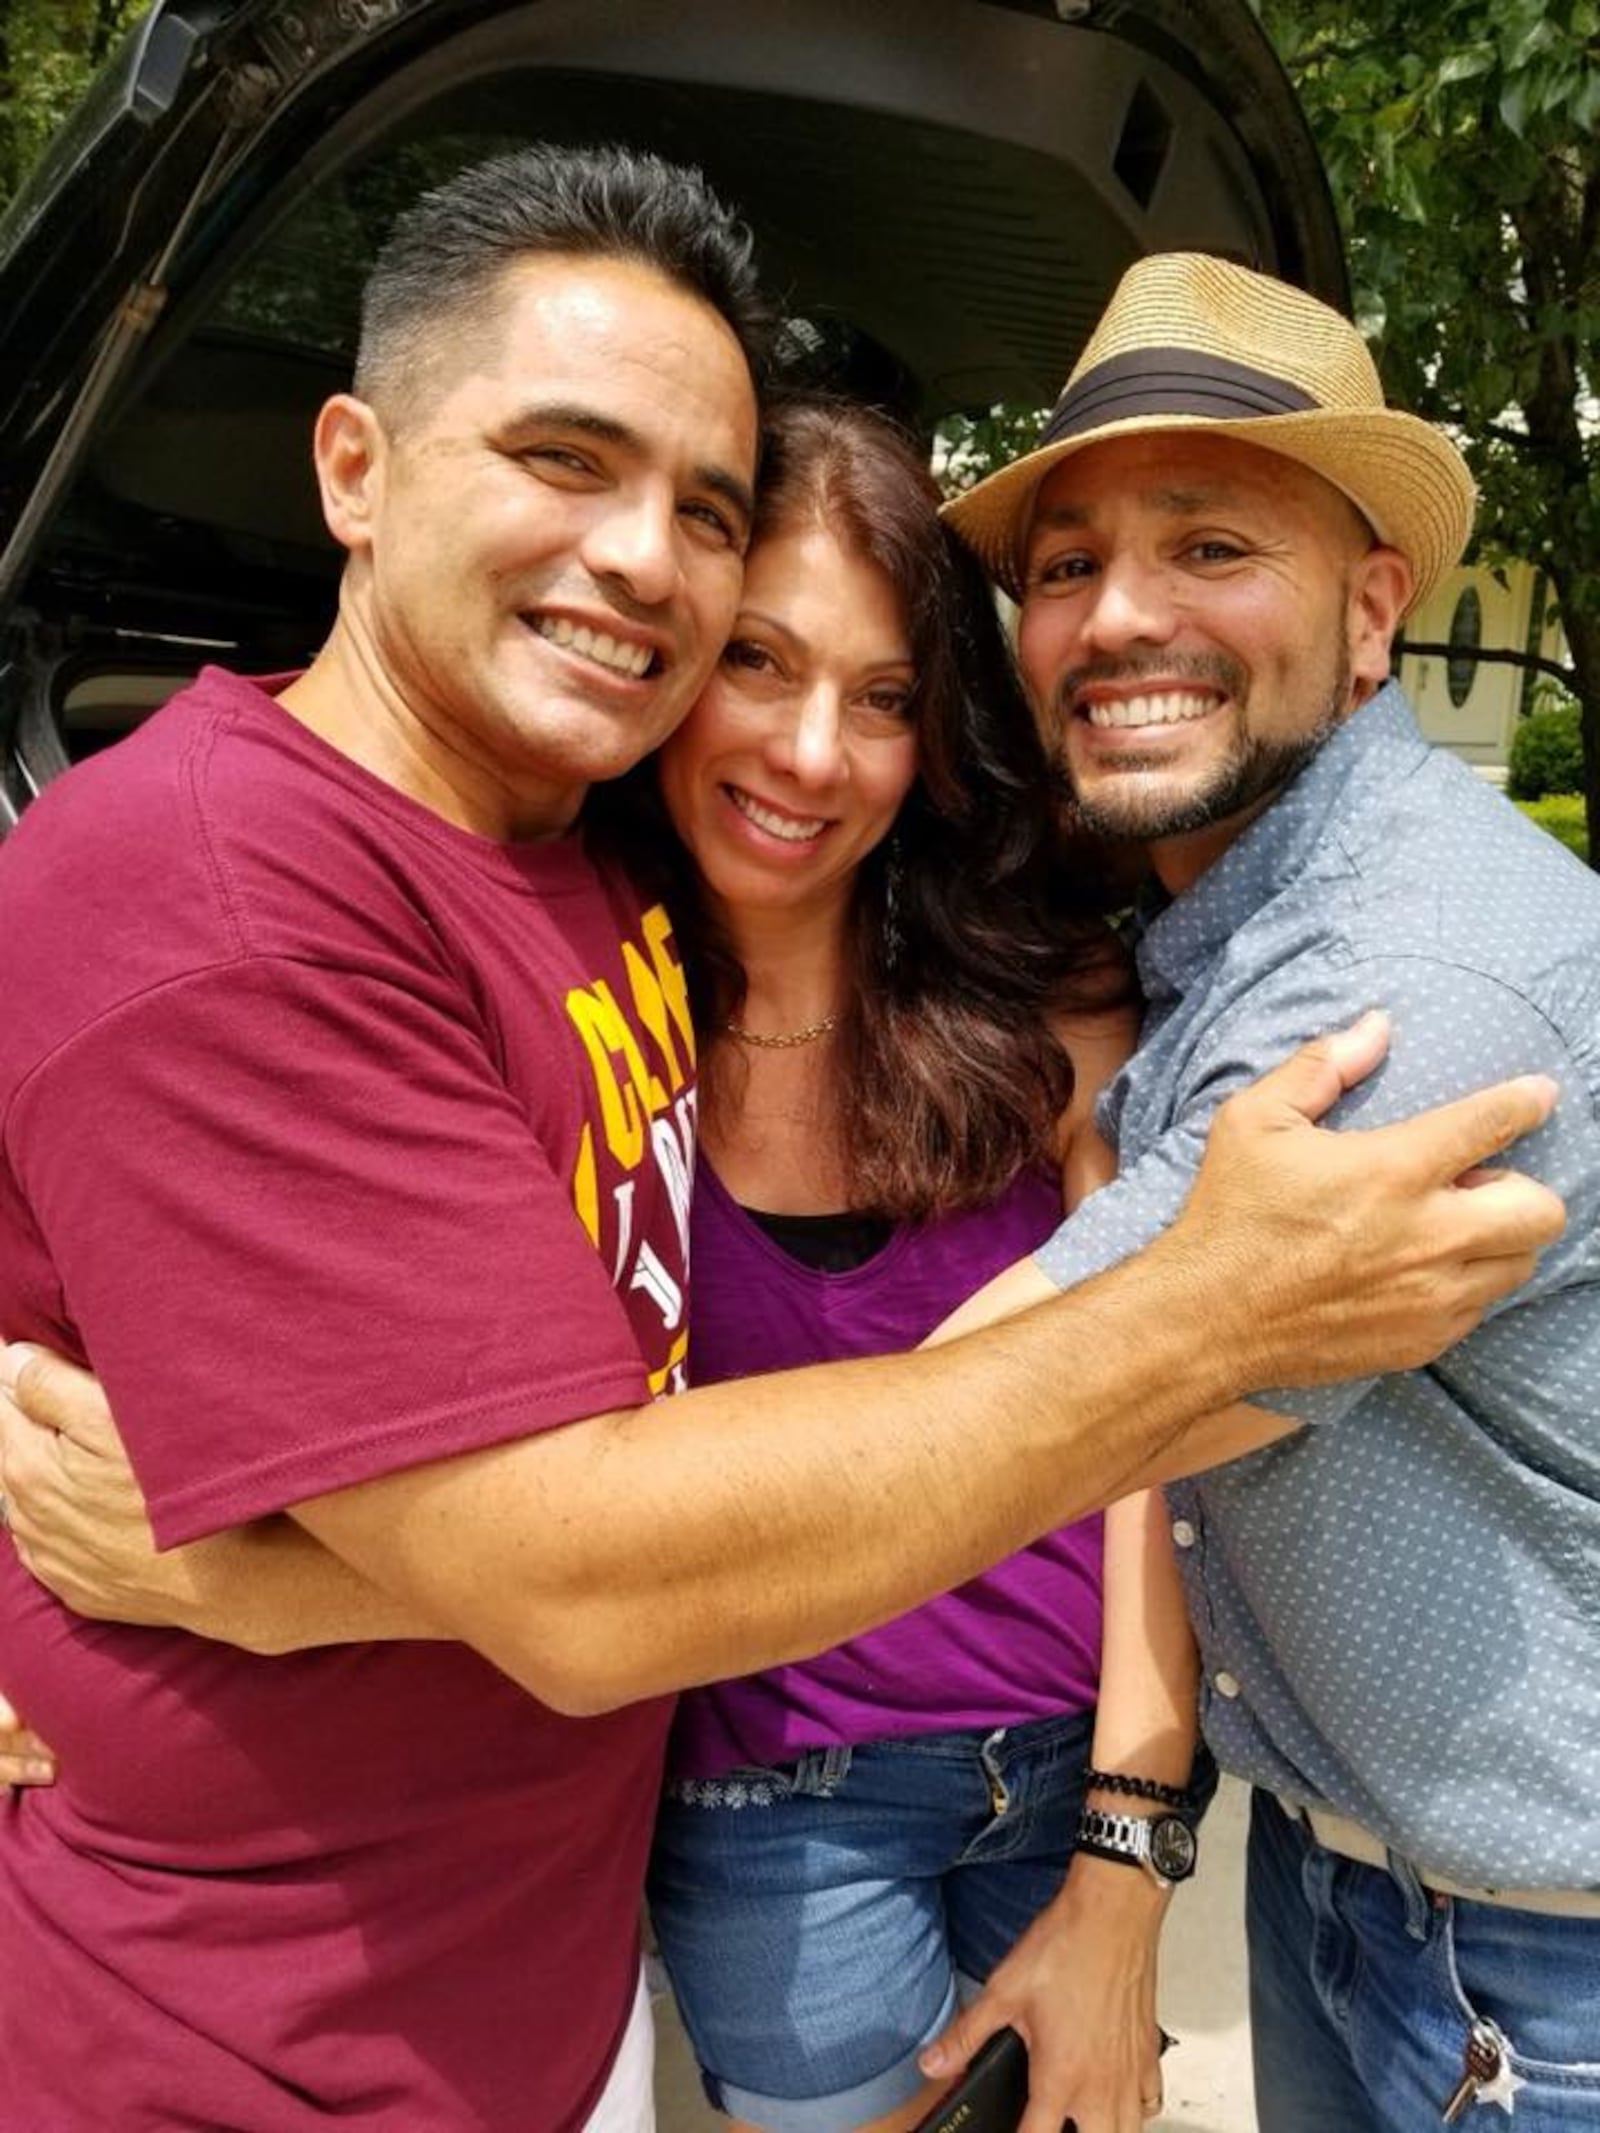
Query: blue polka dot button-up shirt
1398, 1607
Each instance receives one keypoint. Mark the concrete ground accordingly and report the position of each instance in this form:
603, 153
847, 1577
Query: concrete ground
1203, 2001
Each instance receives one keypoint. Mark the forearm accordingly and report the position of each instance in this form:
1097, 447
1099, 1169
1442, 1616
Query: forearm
1145, 1723
753, 1522
750, 1523
270, 1588
1146, 1719
267, 1587
1087, 1967
1211, 1440
704, 1536
1206, 1440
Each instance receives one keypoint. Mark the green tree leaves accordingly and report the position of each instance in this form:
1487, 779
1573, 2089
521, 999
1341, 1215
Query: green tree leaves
1461, 144
49, 51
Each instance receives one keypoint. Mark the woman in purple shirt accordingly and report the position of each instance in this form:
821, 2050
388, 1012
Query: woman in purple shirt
889, 989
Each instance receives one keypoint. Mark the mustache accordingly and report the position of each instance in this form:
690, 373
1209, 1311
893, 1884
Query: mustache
1216, 668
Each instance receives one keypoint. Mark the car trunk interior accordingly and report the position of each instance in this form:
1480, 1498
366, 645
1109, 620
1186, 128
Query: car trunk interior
943, 192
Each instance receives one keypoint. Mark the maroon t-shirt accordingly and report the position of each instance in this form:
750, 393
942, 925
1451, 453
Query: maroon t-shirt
340, 1140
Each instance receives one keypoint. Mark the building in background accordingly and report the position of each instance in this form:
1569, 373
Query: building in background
1472, 704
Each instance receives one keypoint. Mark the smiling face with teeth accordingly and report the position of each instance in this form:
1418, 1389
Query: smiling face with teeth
1198, 615
795, 759
546, 542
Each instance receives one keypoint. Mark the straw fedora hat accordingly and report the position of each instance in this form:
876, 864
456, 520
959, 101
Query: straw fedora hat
1191, 342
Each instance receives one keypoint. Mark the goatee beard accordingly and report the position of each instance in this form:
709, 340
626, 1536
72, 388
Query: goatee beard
1252, 770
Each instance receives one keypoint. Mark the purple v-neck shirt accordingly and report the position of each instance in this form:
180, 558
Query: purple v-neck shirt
1019, 1643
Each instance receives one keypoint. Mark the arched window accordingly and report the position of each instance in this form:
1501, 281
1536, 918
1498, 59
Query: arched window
1466, 634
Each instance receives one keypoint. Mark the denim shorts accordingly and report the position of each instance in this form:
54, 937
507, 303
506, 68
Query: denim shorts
1364, 1988
820, 1921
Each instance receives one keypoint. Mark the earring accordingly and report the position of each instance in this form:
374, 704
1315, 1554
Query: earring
894, 874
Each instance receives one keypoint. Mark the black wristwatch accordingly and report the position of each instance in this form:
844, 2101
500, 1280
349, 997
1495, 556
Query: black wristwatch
1164, 1845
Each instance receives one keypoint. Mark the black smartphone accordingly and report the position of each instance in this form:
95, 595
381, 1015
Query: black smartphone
991, 2095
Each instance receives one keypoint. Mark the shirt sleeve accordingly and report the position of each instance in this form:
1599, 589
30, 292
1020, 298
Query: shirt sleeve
307, 1236
1453, 1030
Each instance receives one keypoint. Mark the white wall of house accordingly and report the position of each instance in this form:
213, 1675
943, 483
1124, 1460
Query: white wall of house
1473, 708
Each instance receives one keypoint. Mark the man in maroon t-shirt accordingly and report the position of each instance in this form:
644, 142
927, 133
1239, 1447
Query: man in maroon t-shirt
348, 1127
346, 1123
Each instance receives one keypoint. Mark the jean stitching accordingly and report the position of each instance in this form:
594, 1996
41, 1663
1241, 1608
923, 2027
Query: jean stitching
1336, 1964
1418, 1904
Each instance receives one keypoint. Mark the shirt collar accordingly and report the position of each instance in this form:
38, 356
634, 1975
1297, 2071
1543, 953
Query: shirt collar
1376, 745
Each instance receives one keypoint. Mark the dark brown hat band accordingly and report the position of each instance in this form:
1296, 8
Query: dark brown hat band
1170, 381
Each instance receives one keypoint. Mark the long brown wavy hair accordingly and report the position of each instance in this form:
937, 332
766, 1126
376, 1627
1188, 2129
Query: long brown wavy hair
968, 928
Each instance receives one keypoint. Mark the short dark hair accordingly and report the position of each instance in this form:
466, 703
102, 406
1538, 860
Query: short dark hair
969, 926
445, 254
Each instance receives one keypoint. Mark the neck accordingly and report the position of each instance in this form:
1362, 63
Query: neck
1178, 862
348, 700
793, 963
769, 1115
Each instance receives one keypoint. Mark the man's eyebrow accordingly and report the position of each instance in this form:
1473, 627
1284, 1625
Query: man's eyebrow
572, 415
606, 429
1059, 515
1057, 519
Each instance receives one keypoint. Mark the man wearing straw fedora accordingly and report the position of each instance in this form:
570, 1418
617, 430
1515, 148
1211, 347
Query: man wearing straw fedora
1398, 1603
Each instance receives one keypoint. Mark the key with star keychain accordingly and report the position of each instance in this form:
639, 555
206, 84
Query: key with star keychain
1486, 2075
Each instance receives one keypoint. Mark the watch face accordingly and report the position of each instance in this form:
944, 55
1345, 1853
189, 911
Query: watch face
1172, 1848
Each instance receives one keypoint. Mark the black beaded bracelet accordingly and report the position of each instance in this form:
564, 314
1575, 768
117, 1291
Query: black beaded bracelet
1137, 1788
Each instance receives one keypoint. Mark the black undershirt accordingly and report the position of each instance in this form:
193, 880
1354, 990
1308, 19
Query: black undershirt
829, 1244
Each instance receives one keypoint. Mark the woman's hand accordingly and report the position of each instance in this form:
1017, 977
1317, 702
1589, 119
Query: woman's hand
1079, 1987
24, 1758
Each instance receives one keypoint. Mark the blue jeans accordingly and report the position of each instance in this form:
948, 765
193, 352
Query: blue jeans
1364, 1986
821, 1920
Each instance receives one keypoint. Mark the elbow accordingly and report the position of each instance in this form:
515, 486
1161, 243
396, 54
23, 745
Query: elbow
571, 1698
587, 1667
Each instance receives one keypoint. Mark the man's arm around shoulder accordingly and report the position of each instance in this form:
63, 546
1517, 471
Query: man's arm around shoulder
747, 1523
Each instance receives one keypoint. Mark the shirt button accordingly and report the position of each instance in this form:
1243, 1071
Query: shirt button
1225, 1684
1182, 1533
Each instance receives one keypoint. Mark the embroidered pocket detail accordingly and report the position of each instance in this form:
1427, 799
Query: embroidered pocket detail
739, 1788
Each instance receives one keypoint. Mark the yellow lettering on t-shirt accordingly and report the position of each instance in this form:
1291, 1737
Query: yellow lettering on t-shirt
651, 1007
585, 1187
657, 930
608, 1039
671, 1376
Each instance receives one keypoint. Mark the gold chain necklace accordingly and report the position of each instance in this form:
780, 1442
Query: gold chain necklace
787, 1039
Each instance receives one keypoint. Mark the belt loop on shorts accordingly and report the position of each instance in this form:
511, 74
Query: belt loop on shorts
821, 1771
1350, 1840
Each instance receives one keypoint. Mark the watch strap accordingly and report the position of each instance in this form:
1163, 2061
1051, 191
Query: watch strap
1132, 1841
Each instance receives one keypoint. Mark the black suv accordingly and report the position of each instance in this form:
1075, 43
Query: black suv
944, 192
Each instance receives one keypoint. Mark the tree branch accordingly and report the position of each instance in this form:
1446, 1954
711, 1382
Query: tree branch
1493, 656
